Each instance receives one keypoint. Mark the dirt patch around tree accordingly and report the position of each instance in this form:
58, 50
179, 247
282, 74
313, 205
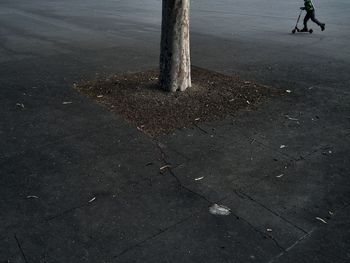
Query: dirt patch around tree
137, 98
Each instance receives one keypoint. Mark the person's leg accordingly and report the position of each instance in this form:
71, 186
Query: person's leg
314, 19
306, 19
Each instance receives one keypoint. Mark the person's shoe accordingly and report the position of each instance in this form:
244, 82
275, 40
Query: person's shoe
304, 30
323, 27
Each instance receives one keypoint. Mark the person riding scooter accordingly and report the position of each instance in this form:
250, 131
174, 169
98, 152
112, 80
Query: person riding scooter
310, 14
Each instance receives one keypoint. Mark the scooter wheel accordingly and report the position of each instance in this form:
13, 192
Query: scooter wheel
293, 31
311, 31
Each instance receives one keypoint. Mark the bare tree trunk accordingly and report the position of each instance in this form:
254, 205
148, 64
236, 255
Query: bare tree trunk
175, 66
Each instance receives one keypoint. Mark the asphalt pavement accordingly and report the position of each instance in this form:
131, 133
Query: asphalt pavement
79, 184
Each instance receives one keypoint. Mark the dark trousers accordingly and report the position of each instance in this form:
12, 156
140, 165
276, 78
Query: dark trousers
311, 15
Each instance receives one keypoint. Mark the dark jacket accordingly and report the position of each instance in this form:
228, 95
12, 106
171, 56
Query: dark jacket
308, 6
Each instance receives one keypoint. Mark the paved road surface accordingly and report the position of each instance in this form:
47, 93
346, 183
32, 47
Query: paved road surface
288, 204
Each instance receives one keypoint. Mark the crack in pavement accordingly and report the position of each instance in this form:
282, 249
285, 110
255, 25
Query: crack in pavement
169, 168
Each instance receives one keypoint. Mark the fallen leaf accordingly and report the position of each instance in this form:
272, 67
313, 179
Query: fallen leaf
199, 178
279, 176
322, 220
93, 199
282, 146
32, 196
67, 102
164, 167
21, 105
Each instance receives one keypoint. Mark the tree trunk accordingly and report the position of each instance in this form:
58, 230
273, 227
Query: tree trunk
175, 66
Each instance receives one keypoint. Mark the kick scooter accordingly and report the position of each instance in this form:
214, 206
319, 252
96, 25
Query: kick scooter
296, 29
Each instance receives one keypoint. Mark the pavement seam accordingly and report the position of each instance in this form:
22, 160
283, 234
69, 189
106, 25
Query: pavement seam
320, 148
200, 128
16, 154
163, 154
292, 246
270, 210
153, 236
48, 219
263, 234
273, 149
20, 248
250, 139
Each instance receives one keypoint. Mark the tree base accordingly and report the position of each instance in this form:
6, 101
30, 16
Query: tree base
138, 99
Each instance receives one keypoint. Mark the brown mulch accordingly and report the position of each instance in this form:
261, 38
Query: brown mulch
136, 97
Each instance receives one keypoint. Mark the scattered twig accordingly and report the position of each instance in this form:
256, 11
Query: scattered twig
292, 119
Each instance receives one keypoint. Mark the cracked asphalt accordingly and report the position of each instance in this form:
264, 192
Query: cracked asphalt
79, 184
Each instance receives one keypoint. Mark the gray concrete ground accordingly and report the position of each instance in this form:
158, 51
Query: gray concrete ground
288, 204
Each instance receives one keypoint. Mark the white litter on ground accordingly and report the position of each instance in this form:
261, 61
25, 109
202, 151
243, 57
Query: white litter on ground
282, 146
219, 210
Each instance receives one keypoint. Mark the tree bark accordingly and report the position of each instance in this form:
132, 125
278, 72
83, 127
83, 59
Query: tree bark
175, 66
